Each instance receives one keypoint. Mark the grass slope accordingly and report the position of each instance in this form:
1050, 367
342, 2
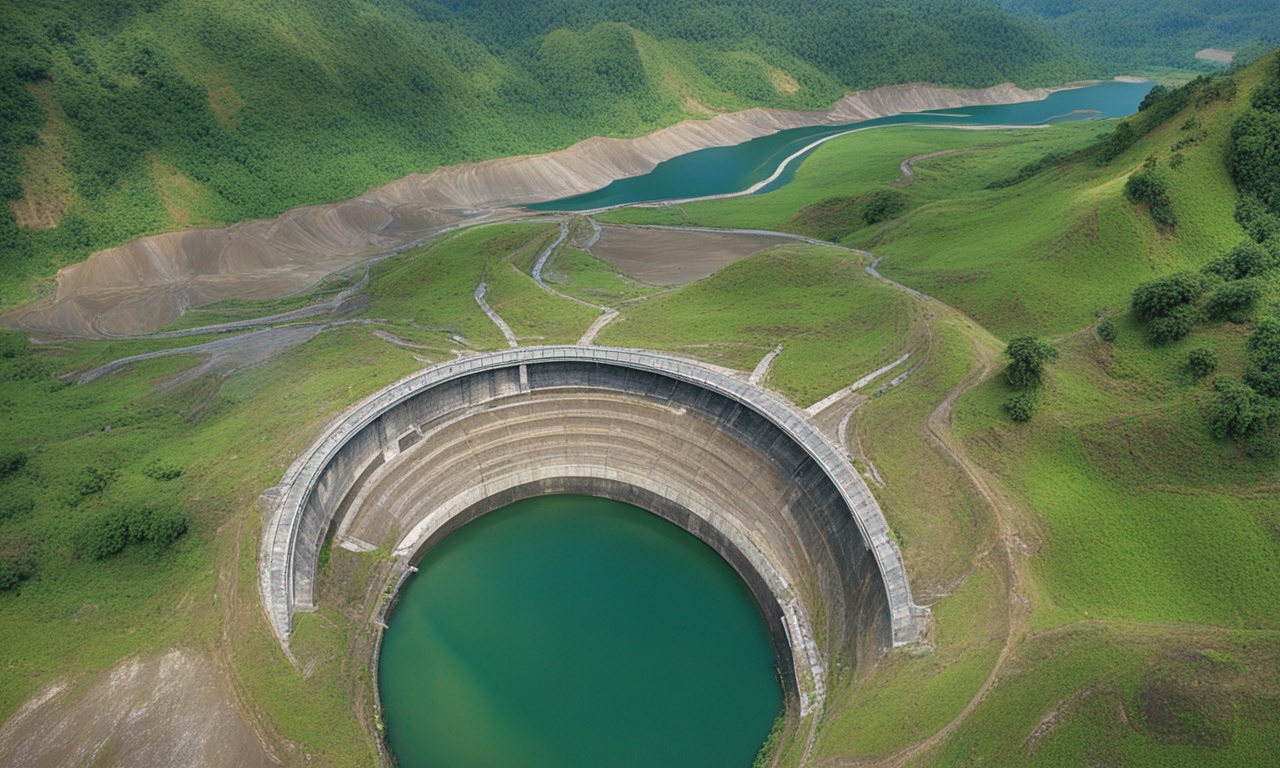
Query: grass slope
1154, 563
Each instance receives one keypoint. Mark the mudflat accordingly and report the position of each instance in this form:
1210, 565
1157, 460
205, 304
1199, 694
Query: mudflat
669, 257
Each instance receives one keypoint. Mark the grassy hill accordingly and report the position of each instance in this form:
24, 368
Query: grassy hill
1141, 568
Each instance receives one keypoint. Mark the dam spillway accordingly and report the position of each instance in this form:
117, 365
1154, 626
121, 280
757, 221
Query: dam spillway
723, 459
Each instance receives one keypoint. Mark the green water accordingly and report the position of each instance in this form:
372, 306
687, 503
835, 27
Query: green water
723, 170
575, 631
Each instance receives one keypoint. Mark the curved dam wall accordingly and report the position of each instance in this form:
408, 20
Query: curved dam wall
723, 459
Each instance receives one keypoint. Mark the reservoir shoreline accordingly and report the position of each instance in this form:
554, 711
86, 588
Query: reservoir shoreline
147, 284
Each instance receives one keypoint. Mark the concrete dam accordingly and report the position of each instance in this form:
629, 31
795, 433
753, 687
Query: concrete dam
725, 460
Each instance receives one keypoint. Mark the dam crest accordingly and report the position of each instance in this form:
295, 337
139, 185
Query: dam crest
726, 460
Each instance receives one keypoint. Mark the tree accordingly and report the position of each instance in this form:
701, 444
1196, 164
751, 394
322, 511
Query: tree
1028, 355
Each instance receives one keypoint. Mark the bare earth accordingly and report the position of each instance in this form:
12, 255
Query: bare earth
666, 257
1216, 54
149, 283
164, 711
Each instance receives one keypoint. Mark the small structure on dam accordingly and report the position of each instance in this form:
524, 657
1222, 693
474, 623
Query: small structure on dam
724, 459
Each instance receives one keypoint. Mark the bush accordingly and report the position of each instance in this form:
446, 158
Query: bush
109, 534
882, 205
1149, 187
1236, 410
1107, 330
13, 344
1248, 259
1233, 301
12, 507
11, 462
1202, 362
103, 538
1028, 355
1020, 407
1254, 218
1158, 298
14, 571
1171, 327
162, 471
1263, 350
92, 481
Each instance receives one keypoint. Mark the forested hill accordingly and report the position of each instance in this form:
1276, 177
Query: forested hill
124, 118
1144, 33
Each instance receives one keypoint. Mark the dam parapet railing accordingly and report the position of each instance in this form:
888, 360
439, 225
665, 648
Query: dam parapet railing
281, 572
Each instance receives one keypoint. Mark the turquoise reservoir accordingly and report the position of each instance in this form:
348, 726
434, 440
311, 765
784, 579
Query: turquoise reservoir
576, 632
723, 170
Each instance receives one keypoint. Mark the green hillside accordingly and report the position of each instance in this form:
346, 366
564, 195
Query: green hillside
1139, 500
1140, 33
127, 118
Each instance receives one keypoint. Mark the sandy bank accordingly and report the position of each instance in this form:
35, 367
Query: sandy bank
149, 283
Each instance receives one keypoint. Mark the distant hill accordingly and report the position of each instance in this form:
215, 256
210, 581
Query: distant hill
1121, 34
125, 118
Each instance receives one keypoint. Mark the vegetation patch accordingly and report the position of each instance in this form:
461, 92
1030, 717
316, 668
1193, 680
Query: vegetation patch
836, 218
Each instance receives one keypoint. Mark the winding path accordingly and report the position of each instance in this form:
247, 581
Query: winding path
494, 316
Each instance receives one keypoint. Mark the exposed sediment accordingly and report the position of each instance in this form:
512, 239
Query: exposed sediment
149, 283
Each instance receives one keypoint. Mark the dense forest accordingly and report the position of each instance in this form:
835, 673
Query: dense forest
1142, 33
124, 118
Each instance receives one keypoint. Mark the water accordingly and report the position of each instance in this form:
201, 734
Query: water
573, 631
723, 170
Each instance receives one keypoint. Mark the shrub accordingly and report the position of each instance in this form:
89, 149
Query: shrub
106, 536
1236, 410
14, 571
109, 534
92, 481
882, 205
1028, 355
1233, 301
13, 344
1172, 326
1248, 259
1263, 349
1202, 362
1158, 298
11, 462
1020, 406
1257, 222
1149, 187
162, 471
1107, 330
12, 507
